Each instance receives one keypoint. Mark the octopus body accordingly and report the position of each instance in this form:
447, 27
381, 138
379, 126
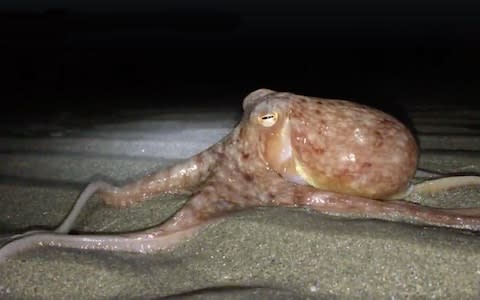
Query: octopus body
333, 156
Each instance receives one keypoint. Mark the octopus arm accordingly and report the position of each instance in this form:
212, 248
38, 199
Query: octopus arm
177, 179
141, 242
203, 209
403, 211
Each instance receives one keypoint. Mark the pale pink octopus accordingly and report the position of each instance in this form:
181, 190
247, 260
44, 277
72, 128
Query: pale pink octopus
332, 156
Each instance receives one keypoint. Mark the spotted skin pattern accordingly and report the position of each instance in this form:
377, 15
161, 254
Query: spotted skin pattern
351, 148
333, 156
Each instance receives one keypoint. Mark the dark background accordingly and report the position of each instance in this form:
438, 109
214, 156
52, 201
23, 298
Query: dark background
97, 56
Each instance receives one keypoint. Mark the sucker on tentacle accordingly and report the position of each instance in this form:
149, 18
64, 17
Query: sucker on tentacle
333, 156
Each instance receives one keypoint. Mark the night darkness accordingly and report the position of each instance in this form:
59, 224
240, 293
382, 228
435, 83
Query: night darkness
102, 56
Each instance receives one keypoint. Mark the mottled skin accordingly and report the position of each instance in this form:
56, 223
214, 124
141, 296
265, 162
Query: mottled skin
333, 156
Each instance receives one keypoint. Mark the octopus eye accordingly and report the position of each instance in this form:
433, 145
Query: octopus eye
268, 119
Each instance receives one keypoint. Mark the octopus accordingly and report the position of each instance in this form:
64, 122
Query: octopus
334, 157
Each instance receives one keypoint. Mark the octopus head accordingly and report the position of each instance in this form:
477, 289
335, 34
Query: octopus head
301, 139
269, 116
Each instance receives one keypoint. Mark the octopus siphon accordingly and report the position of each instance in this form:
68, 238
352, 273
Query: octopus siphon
334, 157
